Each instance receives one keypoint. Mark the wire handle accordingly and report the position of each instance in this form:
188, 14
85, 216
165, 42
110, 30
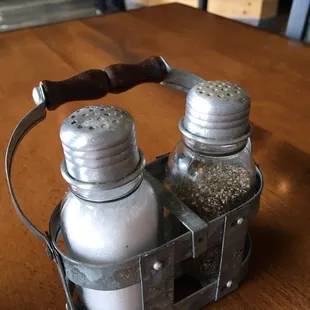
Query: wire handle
95, 83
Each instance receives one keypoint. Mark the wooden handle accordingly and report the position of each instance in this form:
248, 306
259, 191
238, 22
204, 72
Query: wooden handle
94, 84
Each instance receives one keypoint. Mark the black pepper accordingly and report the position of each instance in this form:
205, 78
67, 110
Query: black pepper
212, 189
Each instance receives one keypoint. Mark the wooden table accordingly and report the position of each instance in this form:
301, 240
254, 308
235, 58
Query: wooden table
273, 69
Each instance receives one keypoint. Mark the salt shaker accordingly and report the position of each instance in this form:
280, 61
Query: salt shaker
212, 169
110, 211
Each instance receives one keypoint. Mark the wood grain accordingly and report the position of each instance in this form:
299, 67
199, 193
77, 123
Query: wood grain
273, 69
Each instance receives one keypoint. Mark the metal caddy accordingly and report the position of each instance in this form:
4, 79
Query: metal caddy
155, 269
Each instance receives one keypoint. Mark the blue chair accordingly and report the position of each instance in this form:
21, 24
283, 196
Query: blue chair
298, 20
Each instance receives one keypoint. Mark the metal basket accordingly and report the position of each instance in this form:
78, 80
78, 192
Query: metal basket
156, 269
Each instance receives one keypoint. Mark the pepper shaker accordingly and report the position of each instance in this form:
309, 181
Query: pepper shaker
212, 169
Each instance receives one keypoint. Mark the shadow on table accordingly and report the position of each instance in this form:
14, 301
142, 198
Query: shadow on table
270, 247
284, 215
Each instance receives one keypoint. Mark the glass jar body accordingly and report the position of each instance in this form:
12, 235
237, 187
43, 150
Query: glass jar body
108, 232
211, 180
210, 184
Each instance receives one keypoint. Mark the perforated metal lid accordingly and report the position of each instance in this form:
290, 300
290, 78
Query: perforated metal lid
99, 144
217, 112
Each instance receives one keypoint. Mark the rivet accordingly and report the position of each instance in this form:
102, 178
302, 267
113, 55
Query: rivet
158, 266
229, 284
240, 221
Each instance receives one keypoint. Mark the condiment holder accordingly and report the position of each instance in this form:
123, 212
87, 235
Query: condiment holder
128, 255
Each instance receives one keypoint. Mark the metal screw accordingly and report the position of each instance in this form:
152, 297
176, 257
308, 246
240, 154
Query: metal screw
158, 266
240, 221
229, 284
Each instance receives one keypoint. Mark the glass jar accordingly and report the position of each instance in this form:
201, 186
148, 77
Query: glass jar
110, 212
211, 169
208, 182
211, 181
